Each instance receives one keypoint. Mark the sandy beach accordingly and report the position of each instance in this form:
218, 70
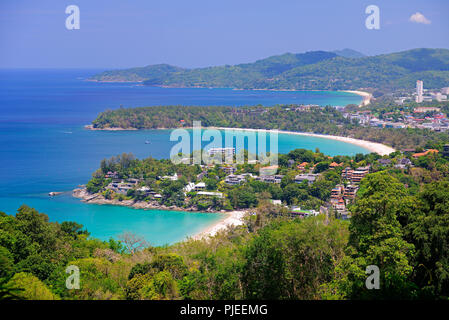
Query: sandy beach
233, 218
371, 146
366, 97
230, 218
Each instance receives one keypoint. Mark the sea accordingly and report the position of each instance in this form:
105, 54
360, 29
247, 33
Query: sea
44, 146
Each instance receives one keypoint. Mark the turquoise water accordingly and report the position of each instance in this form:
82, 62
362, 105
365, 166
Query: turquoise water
43, 146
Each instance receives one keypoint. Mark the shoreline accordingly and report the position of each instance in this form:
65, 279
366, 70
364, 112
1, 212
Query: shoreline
375, 147
366, 96
96, 198
378, 148
230, 217
233, 218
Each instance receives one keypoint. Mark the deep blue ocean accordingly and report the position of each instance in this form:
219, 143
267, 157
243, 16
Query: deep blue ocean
44, 147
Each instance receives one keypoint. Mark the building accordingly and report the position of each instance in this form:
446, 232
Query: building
425, 153
112, 175
189, 187
174, 177
223, 151
211, 194
384, 162
144, 190
302, 166
310, 178
350, 192
359, 174
271, 178
438, 96
276, 202
347, 173
121, 187
419, 91
337, 192
334, 165
235, 179
426, 109
403, 163
445, 90
339, 206
200, 186
298, 212
229, 169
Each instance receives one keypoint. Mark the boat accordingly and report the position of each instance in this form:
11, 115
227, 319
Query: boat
147, 142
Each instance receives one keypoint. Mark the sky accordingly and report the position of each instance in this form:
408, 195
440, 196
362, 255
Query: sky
198, 33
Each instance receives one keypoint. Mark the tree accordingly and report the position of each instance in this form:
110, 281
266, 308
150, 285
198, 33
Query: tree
31, 287
376, 238
132, 242
428, 230
293, 259
73, 229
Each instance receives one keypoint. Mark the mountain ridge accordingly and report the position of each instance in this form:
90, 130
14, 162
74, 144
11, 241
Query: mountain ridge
312, 70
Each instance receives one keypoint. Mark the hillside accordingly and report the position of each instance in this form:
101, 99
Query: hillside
349, 53
339, 70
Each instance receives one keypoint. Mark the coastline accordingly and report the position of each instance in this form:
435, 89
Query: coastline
366, 96
230, 218
375, 147
234, 218
96, 198
378, 148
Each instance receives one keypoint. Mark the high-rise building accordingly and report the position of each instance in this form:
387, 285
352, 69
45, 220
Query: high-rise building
419, 91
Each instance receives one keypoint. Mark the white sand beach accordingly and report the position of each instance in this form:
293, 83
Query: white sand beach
232, 218
371, 146
366, 97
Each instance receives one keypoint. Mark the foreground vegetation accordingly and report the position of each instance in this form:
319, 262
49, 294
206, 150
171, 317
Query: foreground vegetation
400, 222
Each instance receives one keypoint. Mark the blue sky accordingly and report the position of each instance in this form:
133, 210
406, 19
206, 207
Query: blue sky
197, 33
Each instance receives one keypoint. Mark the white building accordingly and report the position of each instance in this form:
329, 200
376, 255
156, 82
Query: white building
200, 186
211, 194
223, 151
419, 91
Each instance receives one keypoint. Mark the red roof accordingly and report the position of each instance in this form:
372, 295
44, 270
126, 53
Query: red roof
421, 154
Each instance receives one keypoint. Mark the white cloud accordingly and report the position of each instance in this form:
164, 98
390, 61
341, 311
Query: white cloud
419, 18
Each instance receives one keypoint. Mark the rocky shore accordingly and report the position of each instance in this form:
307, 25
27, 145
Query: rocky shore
97, 198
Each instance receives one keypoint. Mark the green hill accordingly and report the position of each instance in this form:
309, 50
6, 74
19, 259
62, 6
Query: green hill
349, 53
339, 70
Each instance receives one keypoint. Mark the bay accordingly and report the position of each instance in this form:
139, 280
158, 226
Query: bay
44, 147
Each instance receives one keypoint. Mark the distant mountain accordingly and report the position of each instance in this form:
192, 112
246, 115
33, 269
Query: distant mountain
319, 70
349, 53
156, 71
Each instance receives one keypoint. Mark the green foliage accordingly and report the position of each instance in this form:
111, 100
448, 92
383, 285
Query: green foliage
428, 230
400, 223
31, 288
291, 260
